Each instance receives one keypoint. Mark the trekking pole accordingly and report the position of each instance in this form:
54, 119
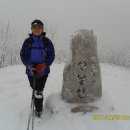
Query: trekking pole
32, 106
34, 81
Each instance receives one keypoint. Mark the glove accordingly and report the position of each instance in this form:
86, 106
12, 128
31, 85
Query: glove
40, 68
30, 67
29, 72
44, 71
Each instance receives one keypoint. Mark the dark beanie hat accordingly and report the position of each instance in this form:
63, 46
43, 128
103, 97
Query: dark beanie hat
36, 21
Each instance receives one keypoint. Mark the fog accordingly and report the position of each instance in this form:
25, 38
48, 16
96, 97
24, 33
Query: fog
110, 19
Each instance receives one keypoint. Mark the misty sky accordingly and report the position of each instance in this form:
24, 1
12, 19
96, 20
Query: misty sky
110, 19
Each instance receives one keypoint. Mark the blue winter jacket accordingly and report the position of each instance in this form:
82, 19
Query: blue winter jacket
37, 50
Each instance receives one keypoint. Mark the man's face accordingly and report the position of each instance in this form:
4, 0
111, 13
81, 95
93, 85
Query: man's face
37, 30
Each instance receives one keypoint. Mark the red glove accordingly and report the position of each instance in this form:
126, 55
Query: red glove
39, 68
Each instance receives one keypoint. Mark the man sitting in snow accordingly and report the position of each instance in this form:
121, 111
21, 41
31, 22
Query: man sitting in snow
37, 54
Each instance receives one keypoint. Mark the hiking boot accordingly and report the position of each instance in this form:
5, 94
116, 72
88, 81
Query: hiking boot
38, 114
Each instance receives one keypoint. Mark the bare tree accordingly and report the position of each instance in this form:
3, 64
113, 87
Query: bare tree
115, 54
4, 37
9, 50
50, 30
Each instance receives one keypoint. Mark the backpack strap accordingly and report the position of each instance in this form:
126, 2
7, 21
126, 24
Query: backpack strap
45, 41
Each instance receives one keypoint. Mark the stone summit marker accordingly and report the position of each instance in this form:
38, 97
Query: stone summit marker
82, 77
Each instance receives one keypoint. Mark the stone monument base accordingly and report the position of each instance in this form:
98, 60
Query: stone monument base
54, 104
83, 108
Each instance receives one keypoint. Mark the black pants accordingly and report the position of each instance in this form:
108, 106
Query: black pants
38, 92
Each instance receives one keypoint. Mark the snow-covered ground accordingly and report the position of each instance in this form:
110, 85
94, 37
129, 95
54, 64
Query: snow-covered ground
15, 97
